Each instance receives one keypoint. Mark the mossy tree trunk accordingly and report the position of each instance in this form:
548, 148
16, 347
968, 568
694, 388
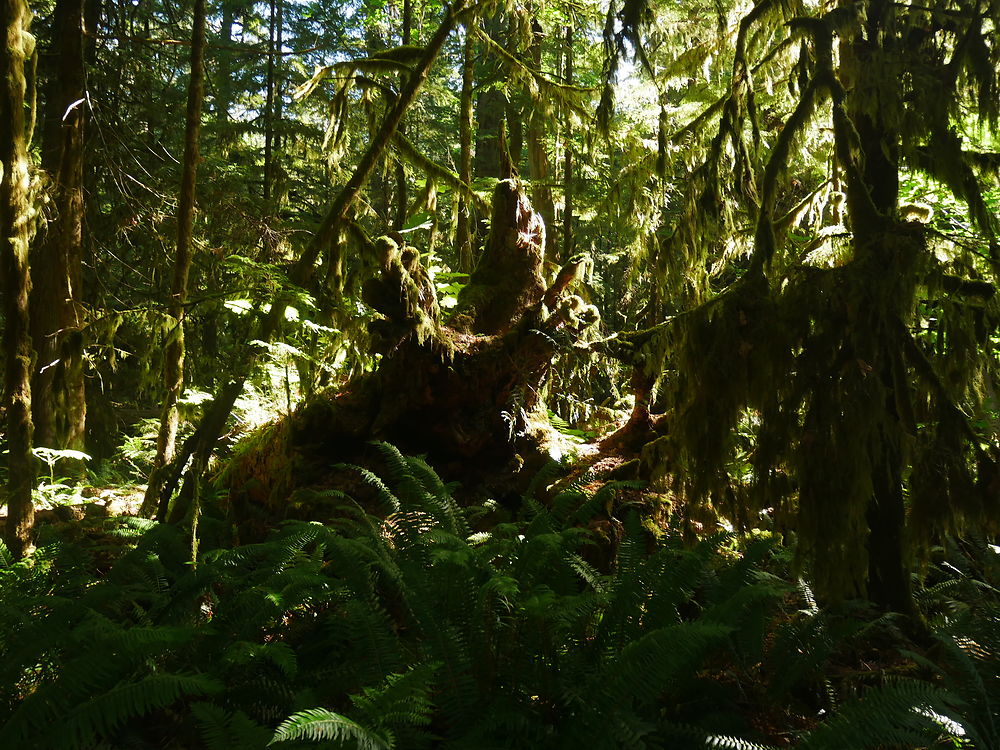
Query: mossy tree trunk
15, 235
464, 392
888, 566
272, 107
539, 166
58, 398
399, 168
569, 180
173, 360
490, 108
858, 434
223, 76
464, 238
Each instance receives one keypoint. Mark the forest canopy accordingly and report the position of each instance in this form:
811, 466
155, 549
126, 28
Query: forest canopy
646, 284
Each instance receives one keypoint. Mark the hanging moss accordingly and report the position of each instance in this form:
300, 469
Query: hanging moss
404, 294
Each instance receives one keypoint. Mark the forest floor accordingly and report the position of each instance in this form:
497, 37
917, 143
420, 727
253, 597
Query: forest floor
584, 602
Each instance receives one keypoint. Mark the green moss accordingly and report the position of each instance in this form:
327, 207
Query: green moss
261, 469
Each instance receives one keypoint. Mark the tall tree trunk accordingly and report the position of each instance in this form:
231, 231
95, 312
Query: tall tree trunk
888, 566
224, 72
269, 105
201, 445
401, 209
515, 132
430, 206
464, 233
15, 234
402, 199
173, 366
279, 100
225, 140
490, 110
568, 186
58, 400
888, 572
538, 157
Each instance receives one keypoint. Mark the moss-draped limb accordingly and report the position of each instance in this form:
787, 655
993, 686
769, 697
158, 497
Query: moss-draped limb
408, 150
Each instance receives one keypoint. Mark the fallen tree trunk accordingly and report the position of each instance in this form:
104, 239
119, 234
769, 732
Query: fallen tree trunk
464, 392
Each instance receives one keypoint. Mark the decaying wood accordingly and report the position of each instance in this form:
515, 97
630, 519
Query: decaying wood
463, 392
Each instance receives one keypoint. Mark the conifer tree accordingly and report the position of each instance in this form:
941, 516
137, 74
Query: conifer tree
827, 357
15, 235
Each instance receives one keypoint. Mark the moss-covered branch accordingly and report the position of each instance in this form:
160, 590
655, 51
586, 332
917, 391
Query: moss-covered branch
406, 149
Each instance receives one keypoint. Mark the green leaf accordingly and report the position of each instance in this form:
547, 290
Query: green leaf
422, 220
320, 725
238, 306
49, 455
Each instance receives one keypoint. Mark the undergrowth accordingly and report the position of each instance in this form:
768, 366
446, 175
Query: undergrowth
415, 629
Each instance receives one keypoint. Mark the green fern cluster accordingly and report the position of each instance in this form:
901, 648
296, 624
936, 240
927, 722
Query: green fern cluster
944, 694
416, 629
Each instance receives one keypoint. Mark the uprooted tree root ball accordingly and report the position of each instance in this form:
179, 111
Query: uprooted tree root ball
462, 390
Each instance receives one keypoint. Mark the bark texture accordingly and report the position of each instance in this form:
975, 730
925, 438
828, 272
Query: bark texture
15, 234
539, 166
490, 108
463, 392
885, 248
58, 401
569, 184
173, 360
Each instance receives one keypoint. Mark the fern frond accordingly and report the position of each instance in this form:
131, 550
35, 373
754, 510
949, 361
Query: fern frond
800, 649
400, 474
902, 713
244, 614
661, 659
404, 699
273, 555
213, 722
744, 601
6, 558
277, 652
969, 663
605, 495
565, 504
545, 477
100, 716
129, 527
389, 501
321, 725
164, 542
365, 635
222, 730
698, 737
427, 477
587, 572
